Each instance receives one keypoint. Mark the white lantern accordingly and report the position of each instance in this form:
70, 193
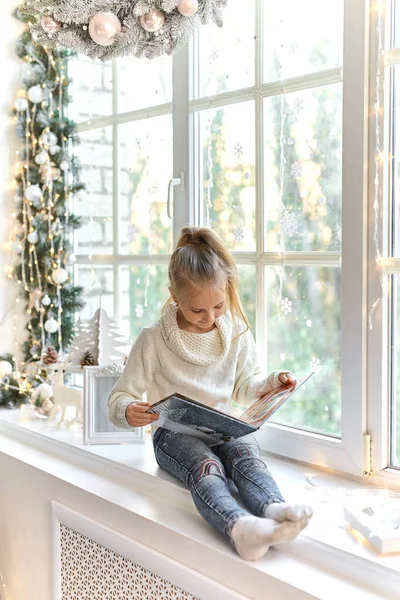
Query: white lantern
51, 325
33, 237
5, 368
59, 276
41, 158
21, 104
33, 193
17, 247
36, 94
46, 300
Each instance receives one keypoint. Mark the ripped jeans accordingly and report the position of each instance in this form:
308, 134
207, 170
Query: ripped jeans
205, 472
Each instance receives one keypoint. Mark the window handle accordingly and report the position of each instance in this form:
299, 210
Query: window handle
174, 183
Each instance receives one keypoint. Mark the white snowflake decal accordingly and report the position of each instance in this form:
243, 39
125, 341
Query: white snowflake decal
239, 234
296, 170
214, 54
238, 150
298, 106
292, 47
288, 223
132, 232
286, 306
139, 311
138, 143
315, 363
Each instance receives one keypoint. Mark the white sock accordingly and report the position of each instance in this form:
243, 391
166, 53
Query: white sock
253, 536
281, 511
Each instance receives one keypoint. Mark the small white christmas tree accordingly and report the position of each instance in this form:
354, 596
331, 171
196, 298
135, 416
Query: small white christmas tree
97, 342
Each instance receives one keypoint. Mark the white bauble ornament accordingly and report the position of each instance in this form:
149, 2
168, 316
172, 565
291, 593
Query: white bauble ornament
5, 368
17, 247
152, 21
104, 27
46, 300
188, 8
81, 196
71, 259
41, 158
49, 138
21, 104
51, 325
36, 94
54, 150
33, 237
50, 25
33, 193
59, 276
44, 390
64, 166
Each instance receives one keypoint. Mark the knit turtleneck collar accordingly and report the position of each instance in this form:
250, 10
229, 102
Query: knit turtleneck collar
197, 348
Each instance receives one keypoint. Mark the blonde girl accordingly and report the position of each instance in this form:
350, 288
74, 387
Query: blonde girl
202, 348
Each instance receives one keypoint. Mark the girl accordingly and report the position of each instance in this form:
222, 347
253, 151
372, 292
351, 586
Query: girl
202, 348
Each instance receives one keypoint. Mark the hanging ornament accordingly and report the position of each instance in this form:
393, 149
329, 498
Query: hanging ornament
5, 368
55, 149
21, 104
81, 196
55, 173
46, 300
36, 94
71, 259
152, 21
33, 193
51, 325
104, 27
50, 25
59, 276
41, 158
17, 247
48, 138
64, 166
33, 237
188, 8
50, 356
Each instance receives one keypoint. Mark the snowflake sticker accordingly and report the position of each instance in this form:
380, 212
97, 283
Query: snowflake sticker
238, 150
286, 306
139, 311
315, 364
132, 232
292, 47
289, 223
239, 234
296, 170
298, 106
214, 54
138, 143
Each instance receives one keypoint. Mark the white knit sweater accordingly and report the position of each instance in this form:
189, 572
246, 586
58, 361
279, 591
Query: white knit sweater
213, 368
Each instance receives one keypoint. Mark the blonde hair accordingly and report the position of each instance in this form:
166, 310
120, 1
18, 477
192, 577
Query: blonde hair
201, 257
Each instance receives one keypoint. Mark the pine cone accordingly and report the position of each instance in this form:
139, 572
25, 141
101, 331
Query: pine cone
87, 359
50, 356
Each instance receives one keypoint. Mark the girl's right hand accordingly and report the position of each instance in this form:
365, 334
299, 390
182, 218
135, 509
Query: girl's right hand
137, 416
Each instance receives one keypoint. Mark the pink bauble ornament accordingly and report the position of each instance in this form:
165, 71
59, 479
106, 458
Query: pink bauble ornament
188, 8
152, 21
50, 25
104, 27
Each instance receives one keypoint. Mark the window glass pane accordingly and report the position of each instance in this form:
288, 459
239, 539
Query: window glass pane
96, 205
91, 89
304, 326
396, 8
144, 290
226, 173
145, 168
248, 292
396, 162
395, 408
227, 55
302, 37
98, 284
143, 83
311, 151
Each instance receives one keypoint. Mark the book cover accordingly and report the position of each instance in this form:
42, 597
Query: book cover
181, 414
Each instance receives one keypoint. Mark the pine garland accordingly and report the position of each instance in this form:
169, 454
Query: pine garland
73, 17
47, 175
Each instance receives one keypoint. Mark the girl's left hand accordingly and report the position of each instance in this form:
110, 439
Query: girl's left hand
287, 379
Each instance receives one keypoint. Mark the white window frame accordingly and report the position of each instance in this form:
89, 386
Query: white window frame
349, 454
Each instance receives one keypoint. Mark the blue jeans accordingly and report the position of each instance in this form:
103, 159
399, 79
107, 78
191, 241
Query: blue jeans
205, 472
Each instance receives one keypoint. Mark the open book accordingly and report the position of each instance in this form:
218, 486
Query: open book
184, 415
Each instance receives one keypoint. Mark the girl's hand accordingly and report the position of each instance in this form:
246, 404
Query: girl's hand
287, 379
137, 416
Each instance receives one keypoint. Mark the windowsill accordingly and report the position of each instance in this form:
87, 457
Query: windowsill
326, 554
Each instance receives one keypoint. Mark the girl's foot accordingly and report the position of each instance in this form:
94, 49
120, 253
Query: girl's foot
252, 536
281, 511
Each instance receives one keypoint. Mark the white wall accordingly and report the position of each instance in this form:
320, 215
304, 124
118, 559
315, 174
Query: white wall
10, 74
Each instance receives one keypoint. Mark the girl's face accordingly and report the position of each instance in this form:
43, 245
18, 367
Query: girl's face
200, 306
